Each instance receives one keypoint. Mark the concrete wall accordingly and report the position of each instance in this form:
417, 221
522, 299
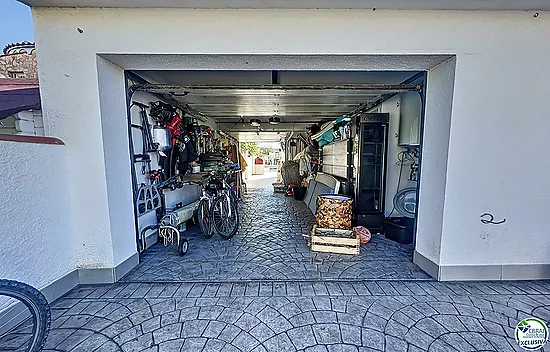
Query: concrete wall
433, 164
496, 52
36, 242
114, 127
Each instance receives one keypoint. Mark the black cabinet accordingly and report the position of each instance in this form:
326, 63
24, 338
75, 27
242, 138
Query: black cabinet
370, 149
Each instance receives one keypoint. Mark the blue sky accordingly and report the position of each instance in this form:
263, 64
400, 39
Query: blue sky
15, 22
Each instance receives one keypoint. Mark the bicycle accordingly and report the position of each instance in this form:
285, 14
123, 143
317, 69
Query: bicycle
217, 209
26, 305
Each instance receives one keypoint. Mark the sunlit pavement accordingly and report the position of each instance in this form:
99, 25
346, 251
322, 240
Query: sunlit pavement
264, 290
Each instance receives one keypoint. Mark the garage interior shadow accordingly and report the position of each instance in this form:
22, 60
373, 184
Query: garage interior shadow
270, 244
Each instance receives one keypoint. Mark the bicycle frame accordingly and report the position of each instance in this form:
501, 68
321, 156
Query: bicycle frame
225, 191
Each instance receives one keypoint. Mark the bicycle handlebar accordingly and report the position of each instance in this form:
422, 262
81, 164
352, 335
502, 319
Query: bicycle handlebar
168, 182
141, 105
178, 178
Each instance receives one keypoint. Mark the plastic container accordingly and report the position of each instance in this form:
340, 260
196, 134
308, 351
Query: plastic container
279, 188
334, 211
300, 193
162, 138
399, 229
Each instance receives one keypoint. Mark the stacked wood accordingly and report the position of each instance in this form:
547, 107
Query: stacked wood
334, 241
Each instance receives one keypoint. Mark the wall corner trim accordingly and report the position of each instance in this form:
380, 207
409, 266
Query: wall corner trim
426, 264
90, 276
494, 272
61, 286
124, 268
107, 275
16, 314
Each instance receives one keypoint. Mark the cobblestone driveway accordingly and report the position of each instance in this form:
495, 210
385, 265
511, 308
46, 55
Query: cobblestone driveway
264, 291
291, 316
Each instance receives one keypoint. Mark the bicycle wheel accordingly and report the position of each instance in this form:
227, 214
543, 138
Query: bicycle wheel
32, 317
225, 217
204, 218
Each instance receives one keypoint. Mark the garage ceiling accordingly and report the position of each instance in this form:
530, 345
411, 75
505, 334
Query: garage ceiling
292, 104
294, 96
221, 77
298, 98
308, 4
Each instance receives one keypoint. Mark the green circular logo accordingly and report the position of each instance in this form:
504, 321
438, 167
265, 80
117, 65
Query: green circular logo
531, 334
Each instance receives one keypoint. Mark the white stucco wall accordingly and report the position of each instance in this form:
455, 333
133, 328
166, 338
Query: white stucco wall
36, 243
495, 160
114, 127
433, 164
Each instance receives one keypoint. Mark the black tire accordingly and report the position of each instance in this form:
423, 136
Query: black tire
203, 216
183, 247
38, 306
226, 226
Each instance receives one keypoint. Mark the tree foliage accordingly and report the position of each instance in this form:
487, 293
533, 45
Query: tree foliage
250, 148
266, 150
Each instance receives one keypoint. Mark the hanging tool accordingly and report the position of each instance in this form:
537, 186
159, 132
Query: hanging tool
147, 138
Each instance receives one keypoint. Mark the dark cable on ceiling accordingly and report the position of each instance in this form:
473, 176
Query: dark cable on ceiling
235, 124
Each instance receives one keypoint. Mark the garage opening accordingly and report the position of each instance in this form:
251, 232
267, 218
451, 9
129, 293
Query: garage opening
321, 168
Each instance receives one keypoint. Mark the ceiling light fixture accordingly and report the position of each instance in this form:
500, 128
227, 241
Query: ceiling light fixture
275, 120
255, 123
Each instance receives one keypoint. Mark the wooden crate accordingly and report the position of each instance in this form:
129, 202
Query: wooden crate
334, 241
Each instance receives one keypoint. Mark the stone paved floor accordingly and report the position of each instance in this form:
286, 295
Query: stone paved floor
270, 246
264, 307
296, 316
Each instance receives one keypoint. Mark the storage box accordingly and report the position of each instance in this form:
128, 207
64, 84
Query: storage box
334, 211
399, 229
279, 188
334, 241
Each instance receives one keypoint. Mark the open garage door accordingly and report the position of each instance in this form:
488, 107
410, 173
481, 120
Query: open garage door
294, 105
281, 111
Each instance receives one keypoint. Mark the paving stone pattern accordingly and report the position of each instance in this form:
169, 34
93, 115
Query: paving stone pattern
270, 246
296, 316
278, 304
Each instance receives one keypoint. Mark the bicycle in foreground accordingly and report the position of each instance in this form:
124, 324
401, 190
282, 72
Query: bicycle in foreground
29, 315
217, 210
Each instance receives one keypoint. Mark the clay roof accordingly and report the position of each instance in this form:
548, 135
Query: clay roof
18, 94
